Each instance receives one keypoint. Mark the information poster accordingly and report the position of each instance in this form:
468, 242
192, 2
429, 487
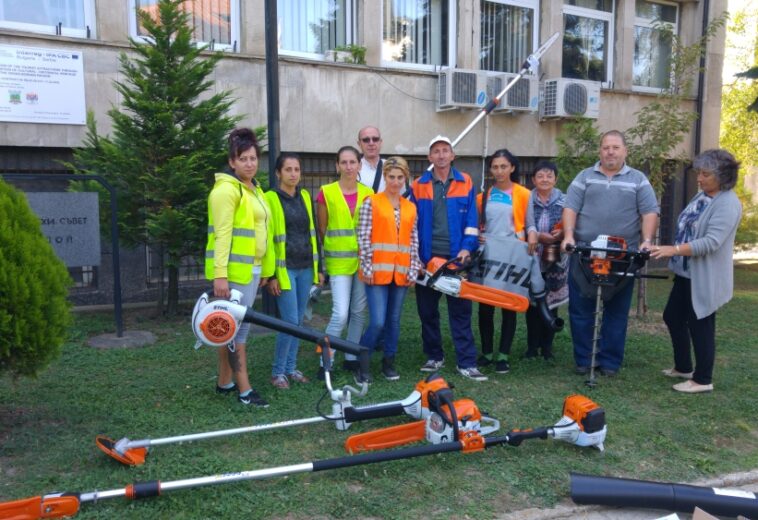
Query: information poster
40, 85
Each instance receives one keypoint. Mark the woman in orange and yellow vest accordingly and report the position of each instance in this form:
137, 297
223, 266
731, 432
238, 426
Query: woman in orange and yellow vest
502, 212
337, 207
238, 254
389, 262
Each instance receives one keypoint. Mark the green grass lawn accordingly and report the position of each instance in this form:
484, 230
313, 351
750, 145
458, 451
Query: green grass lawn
48, 425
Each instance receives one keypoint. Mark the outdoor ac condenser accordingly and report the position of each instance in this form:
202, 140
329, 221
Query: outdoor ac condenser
522, 97
564, 97
461, 88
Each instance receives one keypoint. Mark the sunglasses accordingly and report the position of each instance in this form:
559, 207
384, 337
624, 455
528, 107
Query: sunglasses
370, 139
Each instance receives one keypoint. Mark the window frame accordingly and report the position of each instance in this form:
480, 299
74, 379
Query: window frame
452, 7
234, 13
605, 16
89, 21
649, 23
524, 4
351, 34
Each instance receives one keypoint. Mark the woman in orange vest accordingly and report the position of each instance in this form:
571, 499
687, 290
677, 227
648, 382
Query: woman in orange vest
502, 212
389, 262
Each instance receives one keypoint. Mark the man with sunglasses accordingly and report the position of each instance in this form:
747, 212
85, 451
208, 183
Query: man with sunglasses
370, 143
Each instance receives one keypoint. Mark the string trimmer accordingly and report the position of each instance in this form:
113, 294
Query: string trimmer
582, 411
213, 321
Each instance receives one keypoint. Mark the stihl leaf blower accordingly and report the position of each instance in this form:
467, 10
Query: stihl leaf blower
59, 505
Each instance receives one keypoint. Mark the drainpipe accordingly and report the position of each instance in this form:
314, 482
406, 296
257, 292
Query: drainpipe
701, 82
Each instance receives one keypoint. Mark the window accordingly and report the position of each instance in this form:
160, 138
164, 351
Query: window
213, 22
653, 25
587, 40
314, 27
418, 33
509, 34
66, 17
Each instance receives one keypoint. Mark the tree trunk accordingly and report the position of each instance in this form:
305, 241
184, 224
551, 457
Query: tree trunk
161, 283
172, 305
642, 295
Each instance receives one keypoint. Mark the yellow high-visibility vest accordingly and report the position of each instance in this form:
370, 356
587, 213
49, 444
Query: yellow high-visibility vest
340, 240
280, 237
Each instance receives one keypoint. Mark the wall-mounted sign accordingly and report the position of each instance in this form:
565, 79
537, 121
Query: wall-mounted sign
71, 223
40, 85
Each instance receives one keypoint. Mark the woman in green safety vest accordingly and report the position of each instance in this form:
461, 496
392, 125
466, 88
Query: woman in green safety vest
239, 252
296, 252
337, 214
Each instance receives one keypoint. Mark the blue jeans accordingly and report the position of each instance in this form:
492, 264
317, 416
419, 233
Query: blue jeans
459, 316
291, 304
348, 308
610, 352
385, 305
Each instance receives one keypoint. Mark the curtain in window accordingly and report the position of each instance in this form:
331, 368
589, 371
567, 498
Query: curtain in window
652, 58
210, 20
70, 13
415, 31
313, 26
506, 36
585, 48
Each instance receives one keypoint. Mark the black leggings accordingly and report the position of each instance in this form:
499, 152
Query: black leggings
539, 335
487, 329
688, 332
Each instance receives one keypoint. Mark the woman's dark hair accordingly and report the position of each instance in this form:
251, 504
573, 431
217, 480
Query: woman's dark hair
504, 152
283, 157
240, 141
546, 165
348, 148
722, 164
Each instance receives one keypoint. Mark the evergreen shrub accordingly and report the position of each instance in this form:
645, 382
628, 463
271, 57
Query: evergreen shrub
34, 311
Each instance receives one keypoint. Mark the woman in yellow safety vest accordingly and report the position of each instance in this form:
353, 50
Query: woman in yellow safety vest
389, 262
296, 252
238, 253
337, 207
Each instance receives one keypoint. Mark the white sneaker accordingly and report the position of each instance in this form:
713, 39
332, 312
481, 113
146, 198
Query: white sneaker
472, 373
432, 365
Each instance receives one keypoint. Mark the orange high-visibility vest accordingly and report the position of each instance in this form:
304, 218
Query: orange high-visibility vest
391, 246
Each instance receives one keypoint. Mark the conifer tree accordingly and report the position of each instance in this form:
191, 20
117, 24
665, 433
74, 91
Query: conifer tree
168, 139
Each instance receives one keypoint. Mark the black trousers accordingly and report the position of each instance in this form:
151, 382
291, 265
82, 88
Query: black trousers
688, 333
487, 329
538, 334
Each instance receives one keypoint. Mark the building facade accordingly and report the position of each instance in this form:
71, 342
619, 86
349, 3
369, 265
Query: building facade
615, 44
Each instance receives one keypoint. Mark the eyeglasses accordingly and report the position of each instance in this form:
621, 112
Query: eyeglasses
373, 139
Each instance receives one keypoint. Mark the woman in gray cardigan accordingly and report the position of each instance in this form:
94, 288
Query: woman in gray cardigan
701, 259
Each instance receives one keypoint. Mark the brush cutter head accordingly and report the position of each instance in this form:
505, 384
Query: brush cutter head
128, 456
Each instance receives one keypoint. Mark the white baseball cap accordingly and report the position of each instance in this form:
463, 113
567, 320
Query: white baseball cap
440, 139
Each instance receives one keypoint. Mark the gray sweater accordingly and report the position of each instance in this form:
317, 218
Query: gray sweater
711, 265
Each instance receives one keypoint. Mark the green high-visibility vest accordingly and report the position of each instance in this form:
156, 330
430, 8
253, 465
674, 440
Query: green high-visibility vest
340, 239
242, 251
280, 237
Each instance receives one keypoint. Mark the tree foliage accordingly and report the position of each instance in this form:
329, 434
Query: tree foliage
34, 312
662, 125
739, 127
168, 138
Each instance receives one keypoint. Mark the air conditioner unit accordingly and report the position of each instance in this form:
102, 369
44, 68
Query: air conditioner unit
566, 97
522, 97
461, 88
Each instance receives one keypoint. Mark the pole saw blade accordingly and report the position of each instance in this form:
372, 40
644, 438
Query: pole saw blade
531, 63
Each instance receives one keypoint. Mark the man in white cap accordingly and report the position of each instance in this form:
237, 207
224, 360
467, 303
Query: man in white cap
447, 227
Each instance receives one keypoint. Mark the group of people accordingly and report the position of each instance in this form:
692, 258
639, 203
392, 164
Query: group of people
373, 230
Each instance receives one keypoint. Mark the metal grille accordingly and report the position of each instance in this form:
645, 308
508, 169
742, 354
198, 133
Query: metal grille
551, 98
575, 99
518, 96
464, 87
442, 86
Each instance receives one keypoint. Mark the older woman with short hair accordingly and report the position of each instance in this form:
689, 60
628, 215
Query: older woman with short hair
701, 259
